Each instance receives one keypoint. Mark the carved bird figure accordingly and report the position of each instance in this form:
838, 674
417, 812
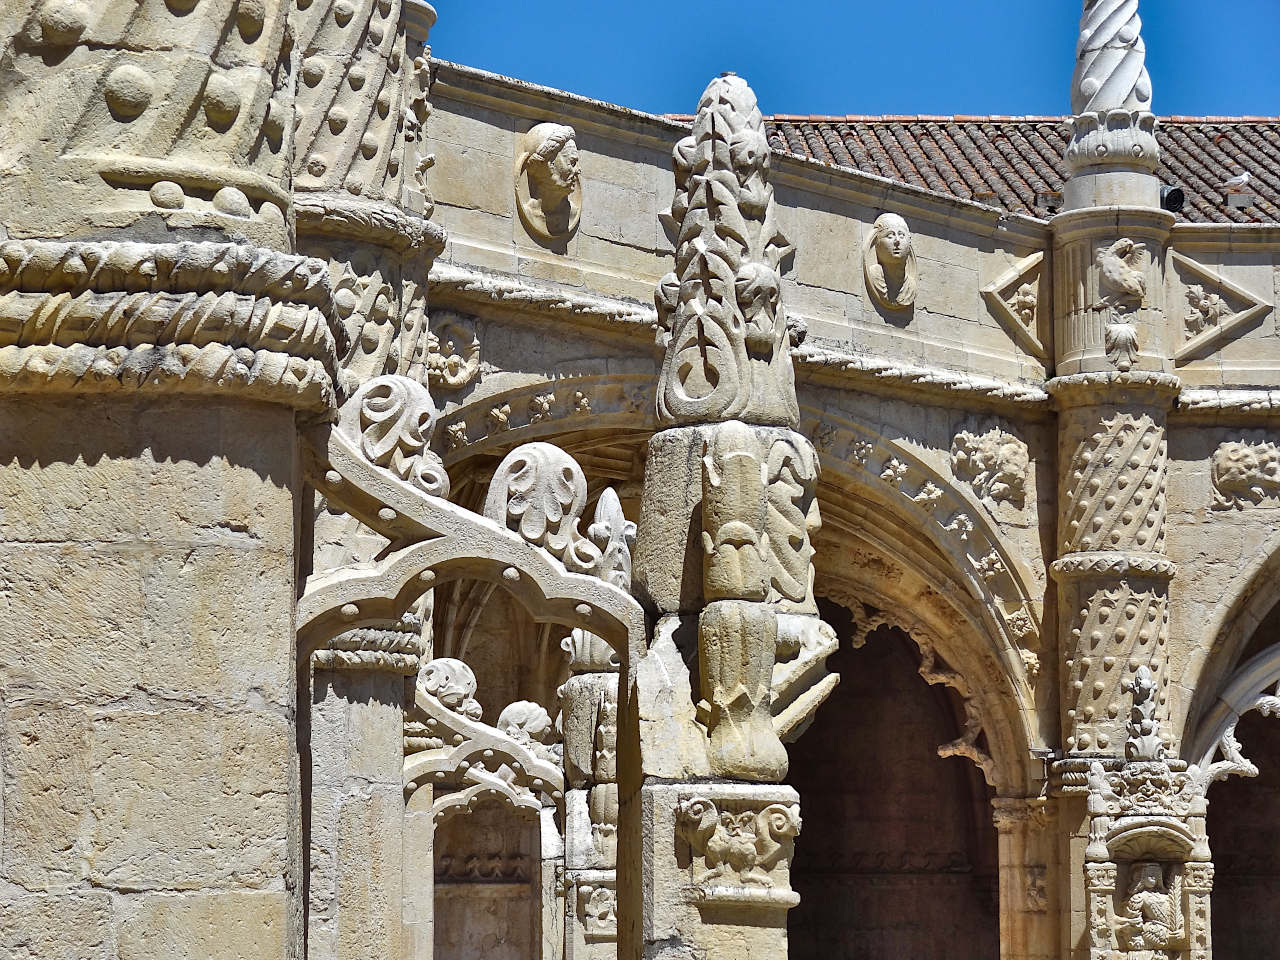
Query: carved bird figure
1121, 265
734, 843
1238, 184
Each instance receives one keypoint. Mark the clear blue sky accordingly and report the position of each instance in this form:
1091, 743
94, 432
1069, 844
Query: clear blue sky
862, 56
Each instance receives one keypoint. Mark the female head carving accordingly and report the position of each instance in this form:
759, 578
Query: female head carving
889, 263
548, 181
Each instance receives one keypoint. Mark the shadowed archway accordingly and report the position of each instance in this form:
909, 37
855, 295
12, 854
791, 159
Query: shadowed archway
898, 857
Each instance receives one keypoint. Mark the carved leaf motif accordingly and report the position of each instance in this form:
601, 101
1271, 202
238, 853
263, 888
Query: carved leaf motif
396, 418
727, 353
614, 536
540, 492
792, 517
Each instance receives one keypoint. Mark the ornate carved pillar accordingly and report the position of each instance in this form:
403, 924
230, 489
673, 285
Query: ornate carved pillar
1113, 394
1028, 877
361, 207
590, 719
159, 341
723, 553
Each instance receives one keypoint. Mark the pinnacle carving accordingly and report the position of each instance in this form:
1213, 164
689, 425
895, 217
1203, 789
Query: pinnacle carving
1111, 90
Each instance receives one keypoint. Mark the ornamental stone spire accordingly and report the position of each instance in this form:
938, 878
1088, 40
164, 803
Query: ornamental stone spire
1113, 153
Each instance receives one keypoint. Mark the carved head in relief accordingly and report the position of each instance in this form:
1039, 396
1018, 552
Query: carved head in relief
889, 263
548, 181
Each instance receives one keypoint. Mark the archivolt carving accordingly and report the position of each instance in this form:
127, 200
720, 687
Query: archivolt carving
956, 523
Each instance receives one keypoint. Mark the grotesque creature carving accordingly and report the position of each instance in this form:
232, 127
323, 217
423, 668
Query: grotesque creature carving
889, 263
1122, 282
738, 844
1207, 309
453, 355
1244, 473
995, 463
452, 683
548, 182
1024, 304
527, 723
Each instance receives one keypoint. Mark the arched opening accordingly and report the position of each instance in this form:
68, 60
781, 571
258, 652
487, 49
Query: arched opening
487, 886
1244, 835
898, 855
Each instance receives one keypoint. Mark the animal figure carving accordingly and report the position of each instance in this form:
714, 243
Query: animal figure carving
1122, 273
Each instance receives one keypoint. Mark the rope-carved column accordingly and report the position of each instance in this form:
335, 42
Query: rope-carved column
723, 555
161, 341
1113, 392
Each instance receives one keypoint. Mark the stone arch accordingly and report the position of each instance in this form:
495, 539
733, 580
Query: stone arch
877, 493
1224, 642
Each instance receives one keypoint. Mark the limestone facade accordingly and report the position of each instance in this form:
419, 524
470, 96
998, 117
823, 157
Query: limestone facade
443, 517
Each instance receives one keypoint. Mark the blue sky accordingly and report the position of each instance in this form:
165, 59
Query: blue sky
862, 56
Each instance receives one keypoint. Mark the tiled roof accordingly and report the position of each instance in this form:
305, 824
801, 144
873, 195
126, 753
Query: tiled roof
1016, 162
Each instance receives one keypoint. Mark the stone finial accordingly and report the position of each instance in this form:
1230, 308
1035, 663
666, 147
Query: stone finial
1111, 59
727, 353
1113, 152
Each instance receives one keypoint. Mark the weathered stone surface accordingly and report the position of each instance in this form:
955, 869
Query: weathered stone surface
204, 926
150, 800
67, 927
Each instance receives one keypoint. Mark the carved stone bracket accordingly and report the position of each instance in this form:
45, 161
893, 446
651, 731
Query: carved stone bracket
739, 848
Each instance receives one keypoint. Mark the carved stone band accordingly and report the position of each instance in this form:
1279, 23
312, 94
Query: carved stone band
179, 317
1097, 388
379, 224
1078, 565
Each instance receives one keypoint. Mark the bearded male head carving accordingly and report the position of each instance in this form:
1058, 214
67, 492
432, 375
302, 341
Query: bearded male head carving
889, 263
548, 182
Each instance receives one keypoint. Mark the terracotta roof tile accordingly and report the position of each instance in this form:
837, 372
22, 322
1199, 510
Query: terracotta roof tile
1017, 162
